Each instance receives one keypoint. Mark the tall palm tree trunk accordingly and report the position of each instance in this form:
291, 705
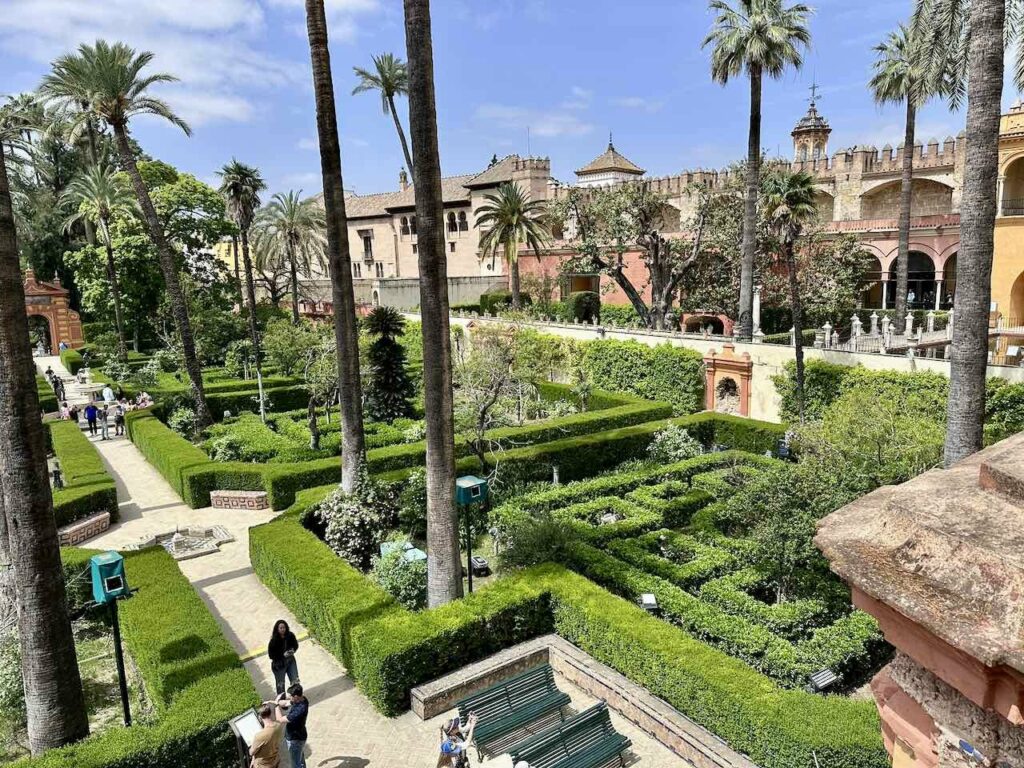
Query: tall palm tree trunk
444, 577
170, 271
746, 319
968, 366
238, 271
54, 700
401, 133
250, 291
293, 269
115, 295
906, 188
514, 283
798, 324
353, 443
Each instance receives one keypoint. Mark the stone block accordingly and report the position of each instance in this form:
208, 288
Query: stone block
239, 500
83, 530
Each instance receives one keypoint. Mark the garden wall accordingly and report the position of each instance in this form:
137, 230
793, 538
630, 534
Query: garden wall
191, 673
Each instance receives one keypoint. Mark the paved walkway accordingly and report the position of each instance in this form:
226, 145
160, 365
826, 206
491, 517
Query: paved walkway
345, 730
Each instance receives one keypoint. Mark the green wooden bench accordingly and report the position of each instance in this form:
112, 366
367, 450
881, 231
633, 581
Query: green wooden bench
585, 740
512, 705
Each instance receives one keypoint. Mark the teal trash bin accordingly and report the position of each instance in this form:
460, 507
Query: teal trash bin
108, 578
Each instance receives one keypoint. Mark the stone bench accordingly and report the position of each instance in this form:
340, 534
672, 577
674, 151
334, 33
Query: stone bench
82, 530
239, 500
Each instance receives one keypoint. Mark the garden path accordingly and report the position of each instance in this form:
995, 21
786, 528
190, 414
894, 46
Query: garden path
345, 730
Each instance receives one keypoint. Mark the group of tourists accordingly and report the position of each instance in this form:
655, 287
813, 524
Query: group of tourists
289, 710
56, 383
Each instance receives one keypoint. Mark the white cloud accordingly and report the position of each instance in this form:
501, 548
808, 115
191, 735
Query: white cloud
548, 123
580, 98
215, 47
639, 103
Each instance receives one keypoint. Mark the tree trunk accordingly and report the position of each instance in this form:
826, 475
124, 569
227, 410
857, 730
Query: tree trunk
314, 426
169, 267
293, 269
798, 323
54, 700
136, 341
353, 443
968, 366
250, 290
444, 563
903, 258
514, 284
749, 248
401, 133
238, 273
115, 295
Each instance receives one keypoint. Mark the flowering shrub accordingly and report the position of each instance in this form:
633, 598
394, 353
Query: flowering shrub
673, 444
405, 580
355, 524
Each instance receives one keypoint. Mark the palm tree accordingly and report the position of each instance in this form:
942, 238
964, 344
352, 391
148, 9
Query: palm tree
298, 226
109, 78
961, 36
54, 701
350, 397
509, 217
391, 78
96, 195
240, 185
444, 580
759, 37
900, 77
788, 201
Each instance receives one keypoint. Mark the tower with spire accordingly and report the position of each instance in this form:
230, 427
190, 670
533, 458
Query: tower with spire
810, 136
610, 167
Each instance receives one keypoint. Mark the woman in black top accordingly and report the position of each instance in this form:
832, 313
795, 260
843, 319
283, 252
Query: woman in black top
281, 649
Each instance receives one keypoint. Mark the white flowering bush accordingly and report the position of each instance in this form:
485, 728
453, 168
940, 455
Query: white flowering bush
145, 377
183, 421
403, 579
673, 444
355, 524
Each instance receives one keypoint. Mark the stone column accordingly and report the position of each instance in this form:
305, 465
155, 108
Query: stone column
938, 293
910, 324
827, 328
999, 195
792, 336
757, 309
885, 289
931, 322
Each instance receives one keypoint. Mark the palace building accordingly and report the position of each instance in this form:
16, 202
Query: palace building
858, 193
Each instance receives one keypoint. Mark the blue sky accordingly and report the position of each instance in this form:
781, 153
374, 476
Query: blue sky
570, 71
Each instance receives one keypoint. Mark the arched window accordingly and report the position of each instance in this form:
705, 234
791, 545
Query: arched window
463, 224
452, 224
802, 154
412, 224
405, 225
817, 151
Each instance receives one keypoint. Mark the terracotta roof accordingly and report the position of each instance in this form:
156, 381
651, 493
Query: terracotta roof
610, 160
453, 190
500, 172
946, 550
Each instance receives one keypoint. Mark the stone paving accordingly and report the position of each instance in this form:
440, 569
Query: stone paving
345, 730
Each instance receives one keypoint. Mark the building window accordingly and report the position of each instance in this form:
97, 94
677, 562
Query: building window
453, 225
367, 237
412, 224
379, 267
405, 225
451, 246
357, 269
415, 249
463, 224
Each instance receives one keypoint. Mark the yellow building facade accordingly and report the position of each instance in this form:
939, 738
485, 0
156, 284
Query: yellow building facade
1008, 256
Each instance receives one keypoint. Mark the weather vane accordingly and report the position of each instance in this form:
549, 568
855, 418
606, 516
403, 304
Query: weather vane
814, 93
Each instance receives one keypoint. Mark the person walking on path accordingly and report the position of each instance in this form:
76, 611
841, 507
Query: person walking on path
104, 422
91, 412
293, 712
265, 749
281, 650
119, 419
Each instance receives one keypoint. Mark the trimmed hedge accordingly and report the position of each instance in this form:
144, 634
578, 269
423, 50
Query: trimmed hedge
191, 673
47, 397
72, 360
325, 593
88, 488
665, 372
167, 451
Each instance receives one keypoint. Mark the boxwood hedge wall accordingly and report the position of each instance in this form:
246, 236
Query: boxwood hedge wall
191, 673
665, 372
88, 489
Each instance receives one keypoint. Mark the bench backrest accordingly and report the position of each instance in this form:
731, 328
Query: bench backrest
517, 691
577, 734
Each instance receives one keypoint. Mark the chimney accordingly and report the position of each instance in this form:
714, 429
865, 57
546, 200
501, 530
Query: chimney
403, 180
